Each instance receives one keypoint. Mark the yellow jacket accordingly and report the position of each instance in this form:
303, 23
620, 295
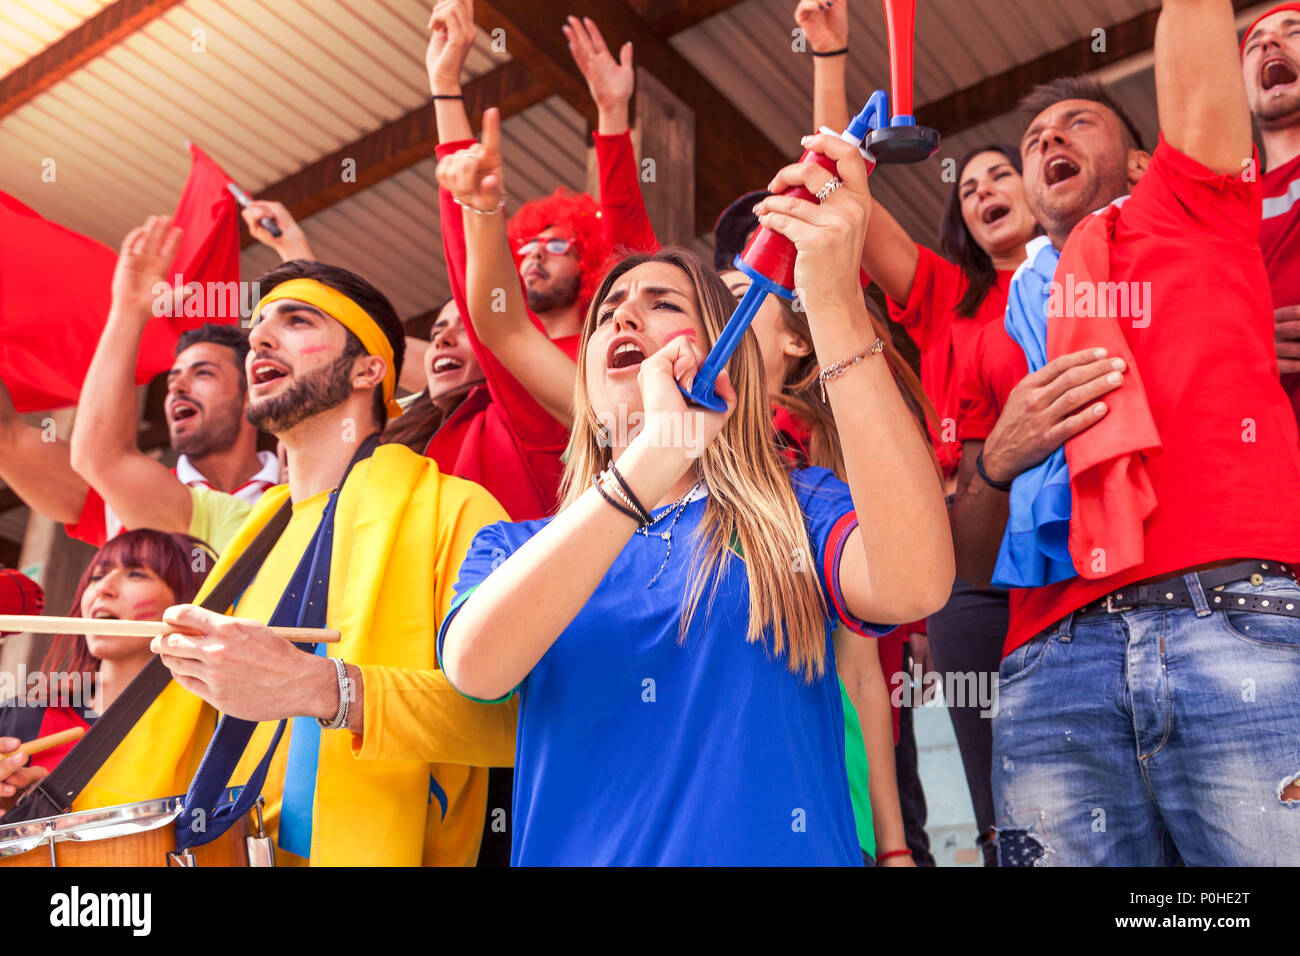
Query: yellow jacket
401, 530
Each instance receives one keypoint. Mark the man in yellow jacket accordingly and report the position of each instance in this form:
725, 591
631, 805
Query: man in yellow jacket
381, 547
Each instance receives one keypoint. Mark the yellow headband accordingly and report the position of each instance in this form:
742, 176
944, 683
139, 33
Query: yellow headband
353, 318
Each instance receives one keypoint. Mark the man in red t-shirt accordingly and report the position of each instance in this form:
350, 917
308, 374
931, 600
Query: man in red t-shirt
1141, 722
1270, 65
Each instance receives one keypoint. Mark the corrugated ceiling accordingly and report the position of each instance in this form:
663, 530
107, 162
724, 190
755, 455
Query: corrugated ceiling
269, 87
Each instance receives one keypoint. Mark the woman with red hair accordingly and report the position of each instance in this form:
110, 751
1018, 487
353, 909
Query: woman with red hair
134, 577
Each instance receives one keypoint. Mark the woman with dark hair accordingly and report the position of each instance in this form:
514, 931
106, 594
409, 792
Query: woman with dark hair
134, 577
451, 375
945, 302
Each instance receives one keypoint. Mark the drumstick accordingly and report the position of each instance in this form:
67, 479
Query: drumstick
39, 624
46, 742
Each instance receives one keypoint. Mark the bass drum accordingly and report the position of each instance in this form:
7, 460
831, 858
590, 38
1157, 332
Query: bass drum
133, 834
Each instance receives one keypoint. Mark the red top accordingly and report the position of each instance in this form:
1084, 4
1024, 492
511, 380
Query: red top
500, 436
944, 337
622, 207
1228, 480
38, 720
1279, 238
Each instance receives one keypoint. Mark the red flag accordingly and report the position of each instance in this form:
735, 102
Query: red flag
55, 291
209, 250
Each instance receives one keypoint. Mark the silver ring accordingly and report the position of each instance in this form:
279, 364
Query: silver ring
834, 184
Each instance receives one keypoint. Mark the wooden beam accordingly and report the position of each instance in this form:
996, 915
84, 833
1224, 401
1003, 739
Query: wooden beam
732, 154
667, 17
1000, 94
514, 86
398, 145
105, 29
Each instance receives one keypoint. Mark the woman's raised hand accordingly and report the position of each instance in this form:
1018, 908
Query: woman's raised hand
828, 235
474, 176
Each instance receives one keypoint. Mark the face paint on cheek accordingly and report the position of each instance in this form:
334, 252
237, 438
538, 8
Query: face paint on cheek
689, 333
138, 606
312, 349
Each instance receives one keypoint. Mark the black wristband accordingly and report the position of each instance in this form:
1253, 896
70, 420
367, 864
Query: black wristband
595, 480
448, 96
636, 502
979, 466
840, 52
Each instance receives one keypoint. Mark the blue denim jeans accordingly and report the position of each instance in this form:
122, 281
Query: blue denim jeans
1150, 736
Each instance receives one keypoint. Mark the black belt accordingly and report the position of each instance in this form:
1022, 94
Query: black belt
1173, 591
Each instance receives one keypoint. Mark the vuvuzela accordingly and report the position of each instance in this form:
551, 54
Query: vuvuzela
39, 624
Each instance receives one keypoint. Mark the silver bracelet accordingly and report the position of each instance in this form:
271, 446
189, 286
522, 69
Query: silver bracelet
482, 212
345, 696
836, 369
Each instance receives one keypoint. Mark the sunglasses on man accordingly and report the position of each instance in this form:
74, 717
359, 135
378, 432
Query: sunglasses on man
554, 246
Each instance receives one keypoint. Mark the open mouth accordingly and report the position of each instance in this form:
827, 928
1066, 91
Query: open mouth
264, 370
182, 411
102, 615
1276, 72
994, 213
447, 364
1059, 169
625, 353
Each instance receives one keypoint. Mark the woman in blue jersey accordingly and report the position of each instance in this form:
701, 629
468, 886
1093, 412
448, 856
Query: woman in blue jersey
668, 632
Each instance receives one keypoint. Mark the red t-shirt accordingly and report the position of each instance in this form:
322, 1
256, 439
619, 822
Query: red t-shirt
500, 436
945, 337
1228, 479
36, 720
1279, 239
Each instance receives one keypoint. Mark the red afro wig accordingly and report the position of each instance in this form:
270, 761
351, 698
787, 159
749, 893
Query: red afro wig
575, 214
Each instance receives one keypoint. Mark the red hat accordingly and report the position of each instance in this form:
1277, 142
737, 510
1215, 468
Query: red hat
19, 594
1268, 13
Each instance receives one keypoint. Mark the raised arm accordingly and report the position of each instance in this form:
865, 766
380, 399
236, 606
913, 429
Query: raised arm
611, 82
451, 36
889, 256
825, 24
494, 297
291, 243
898, 564
1200, 92
38, 466
105, 450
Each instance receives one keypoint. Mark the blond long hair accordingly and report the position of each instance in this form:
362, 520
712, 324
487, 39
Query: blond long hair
801, 393
750, 499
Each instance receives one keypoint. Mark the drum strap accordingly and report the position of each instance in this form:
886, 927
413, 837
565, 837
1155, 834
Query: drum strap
55, 794
205, 815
